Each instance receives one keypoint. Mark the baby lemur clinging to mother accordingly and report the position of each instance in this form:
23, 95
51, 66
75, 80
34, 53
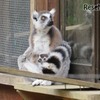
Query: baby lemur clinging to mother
44, 39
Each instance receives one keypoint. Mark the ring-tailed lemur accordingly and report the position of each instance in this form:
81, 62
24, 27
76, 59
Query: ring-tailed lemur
53, 63
44, 38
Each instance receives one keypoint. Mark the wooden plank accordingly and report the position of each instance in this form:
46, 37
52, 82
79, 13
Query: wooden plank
32, 7
48, 77
21, 86
41, 5
62, 17
13, 80
37, 96
55, 4
76, 94
10, 80
78, 27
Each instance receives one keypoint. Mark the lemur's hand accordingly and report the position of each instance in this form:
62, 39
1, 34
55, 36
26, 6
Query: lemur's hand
22, 58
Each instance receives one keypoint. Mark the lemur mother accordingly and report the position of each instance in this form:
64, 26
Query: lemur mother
44, 39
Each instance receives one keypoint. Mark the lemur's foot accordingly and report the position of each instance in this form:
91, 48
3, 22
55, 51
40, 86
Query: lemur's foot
41, 82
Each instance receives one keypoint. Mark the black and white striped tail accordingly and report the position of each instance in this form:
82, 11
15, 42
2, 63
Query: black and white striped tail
57, 57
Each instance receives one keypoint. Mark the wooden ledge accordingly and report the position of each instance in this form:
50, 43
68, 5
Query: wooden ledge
49, 77
58, 91
7, 79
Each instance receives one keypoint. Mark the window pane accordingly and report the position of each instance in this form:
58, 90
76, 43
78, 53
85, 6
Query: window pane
79, 30
14, 30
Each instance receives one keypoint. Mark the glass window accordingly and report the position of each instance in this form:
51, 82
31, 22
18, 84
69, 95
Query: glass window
78, 30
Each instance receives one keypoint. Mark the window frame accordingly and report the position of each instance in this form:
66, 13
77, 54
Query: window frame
97, 43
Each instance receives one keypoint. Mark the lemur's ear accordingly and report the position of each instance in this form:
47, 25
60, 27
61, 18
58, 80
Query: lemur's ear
52, 11
35, 15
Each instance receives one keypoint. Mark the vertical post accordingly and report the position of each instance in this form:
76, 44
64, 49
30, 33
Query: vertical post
41, 5
32, 7
55, 4
97, 42
62, 17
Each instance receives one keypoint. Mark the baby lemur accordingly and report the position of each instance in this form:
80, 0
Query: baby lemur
44, 39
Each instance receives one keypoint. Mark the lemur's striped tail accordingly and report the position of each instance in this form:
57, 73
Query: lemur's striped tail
56, 58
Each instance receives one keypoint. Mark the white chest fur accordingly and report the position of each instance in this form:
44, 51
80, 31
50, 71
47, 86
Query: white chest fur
41, 43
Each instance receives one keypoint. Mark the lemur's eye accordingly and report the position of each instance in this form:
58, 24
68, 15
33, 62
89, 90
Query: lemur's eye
43, 18
35, 18
50, 17
39, 60
44, 59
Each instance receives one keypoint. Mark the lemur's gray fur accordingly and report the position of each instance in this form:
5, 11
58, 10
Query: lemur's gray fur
44, 39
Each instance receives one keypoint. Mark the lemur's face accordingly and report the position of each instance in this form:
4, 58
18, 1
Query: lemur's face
42, 58
43, 20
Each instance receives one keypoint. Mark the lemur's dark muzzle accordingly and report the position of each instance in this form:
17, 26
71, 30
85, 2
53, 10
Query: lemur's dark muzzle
50, 23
